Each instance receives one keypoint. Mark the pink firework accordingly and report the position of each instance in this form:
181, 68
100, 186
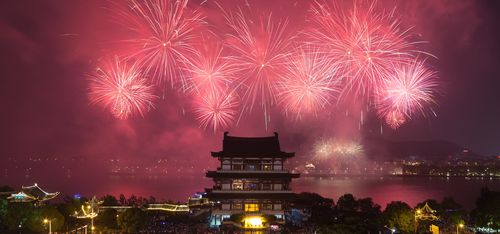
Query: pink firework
307, 85
364, 42
395, 119
165, 31
122, 89
261, 49
409, 89
209, 70
216, 110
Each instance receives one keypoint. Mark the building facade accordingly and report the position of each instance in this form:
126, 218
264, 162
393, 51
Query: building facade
251, 185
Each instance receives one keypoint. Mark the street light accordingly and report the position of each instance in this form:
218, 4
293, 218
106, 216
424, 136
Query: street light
49, 221
393, 230
460, 225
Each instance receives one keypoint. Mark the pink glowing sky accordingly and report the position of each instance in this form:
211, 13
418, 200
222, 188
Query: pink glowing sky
47, 48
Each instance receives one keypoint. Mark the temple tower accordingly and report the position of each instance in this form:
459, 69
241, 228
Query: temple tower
252, 186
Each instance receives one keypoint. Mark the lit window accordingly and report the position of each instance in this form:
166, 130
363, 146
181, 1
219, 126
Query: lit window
237, 185
251, 207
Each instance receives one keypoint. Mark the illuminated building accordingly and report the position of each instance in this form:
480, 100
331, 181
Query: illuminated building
251, 184
32, 194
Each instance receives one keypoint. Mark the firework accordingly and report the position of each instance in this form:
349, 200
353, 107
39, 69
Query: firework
216, 110
365, 43
209, 70
261, 50
122, 89
395, 119
165, 31
409, 89
307, 85
323, 148
333, 148
348, 149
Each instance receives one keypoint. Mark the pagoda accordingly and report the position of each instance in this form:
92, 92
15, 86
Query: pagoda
252, 187
32, 194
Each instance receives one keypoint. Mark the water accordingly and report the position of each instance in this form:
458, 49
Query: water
411, 190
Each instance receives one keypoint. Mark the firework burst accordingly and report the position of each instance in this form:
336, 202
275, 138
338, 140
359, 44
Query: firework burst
307, 85
165, 31
364, 42
209, 70
334, 148
216, 110
395, 119
122, 89
261, 50
409, 89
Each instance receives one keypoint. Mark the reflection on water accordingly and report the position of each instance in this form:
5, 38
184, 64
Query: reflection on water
382, 189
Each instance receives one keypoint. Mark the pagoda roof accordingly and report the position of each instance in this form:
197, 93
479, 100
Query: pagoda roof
246, 147
20, 197
38, 193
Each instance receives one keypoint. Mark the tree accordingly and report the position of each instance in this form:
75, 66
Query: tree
355, 216
451, 214
399, 215
321, 209
123, 200
487, 211
107, 219
17, 215
36, 217
132, 220
109, 200
347, 202
68, 209
3, 212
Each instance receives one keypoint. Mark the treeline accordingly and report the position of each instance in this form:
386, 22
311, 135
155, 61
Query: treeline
352, 215
347, 215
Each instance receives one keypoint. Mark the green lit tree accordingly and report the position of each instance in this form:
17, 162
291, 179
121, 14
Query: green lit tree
17, 215
38, 214
399, 215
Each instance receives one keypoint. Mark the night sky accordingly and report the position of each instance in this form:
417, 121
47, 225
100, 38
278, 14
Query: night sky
49, 47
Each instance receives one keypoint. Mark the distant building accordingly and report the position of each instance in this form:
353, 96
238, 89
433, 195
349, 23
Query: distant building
252, 187
32, 194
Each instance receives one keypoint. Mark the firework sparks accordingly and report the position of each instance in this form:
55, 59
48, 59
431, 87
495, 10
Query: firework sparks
165, 32
307, 85
216, 110
261, 53
410, 89
364, 42
122, 89
395, 119
328, 148
210, 70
